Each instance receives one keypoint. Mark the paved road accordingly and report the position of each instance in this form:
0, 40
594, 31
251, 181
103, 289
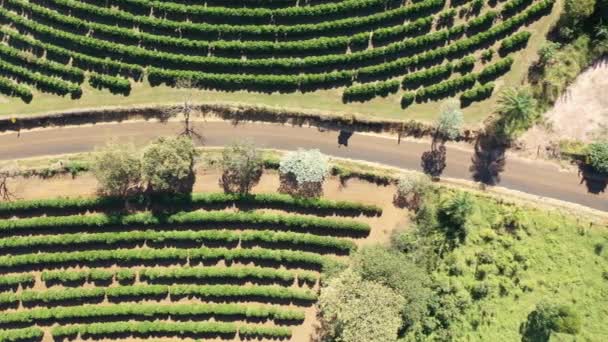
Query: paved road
533, 178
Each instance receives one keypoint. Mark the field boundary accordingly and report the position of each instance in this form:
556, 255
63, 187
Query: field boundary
232, 113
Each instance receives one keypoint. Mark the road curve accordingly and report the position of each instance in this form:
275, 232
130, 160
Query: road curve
534, 178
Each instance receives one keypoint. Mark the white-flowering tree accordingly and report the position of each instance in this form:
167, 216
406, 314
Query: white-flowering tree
411, 189
450, 120
303, 172
354, 310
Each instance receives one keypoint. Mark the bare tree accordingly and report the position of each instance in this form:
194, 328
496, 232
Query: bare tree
185, 109
6, 173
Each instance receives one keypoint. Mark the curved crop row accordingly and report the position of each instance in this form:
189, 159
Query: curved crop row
10, 88
18, 335
41, 82
41, 65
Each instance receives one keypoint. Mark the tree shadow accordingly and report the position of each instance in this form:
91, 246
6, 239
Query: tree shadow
595, 182
433, 162
489, 160
343, 138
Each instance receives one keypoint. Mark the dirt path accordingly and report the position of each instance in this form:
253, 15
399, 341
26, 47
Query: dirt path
580, 114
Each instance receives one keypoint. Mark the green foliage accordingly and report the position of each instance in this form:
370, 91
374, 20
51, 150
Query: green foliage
450, 120
241, 168
117, 168
548, 318
303, 172
597, 156
411, 189
398, 272
518, 111
168, 163
354, 309
455, 214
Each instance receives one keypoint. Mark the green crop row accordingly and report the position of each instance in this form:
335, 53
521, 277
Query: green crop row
294, 240
292, 222
41, 82
257, 255
202, 47
171, 273
195, 200
477, 93
41, 65
204, 292
235, 272
203, 13
426, 76
116, 85
446, 88
217, 31
514, 42
13, 280
10, 88
79, 60
139, 311
21, 335
171, 328
493, 71
365, 92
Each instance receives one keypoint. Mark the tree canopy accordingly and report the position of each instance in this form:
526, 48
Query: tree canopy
168, 165
241, 168
450, 120
598, 157
118, 168
357, 310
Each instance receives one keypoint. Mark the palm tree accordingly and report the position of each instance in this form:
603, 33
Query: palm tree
518, 111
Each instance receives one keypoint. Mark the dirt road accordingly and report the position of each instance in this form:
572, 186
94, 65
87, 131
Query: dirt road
518, 174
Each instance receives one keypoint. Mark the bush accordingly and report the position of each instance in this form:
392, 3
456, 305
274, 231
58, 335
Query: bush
411, 189
597, 157
548, 318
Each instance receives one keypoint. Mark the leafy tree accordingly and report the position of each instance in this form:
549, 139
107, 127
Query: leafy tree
355, 310
411, 188
455, 213
576, 11
548, 318
397, 271
518, 112
548, 52
303, 172
450, 120
168, 165
242, 168
118, 169
598, 157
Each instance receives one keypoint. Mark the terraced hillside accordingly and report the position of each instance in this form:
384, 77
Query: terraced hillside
417, 50
210, 272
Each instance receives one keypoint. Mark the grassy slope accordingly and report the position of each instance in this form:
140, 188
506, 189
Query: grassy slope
325, 100
562, 266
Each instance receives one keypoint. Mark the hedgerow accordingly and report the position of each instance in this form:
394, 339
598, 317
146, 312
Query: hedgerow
120, 256
139, 311
17, 335
116, 85
268, 237
10, 88
206, 292
195, 200
78, 222
169, 328
477, 93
